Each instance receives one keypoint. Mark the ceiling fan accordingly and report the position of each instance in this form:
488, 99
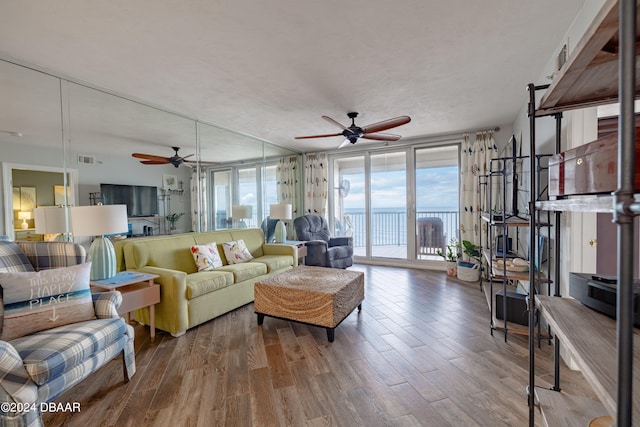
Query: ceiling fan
176, 160
353, 132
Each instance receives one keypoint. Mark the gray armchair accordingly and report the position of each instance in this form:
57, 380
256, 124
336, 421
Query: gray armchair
322, 249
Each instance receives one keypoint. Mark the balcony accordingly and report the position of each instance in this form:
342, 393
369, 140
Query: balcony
389, 231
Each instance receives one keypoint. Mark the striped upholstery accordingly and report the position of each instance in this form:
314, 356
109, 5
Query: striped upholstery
39, 367
12, 258
48, 255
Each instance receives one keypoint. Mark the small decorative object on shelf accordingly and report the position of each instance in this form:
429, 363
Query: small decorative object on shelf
173, 218
454, 251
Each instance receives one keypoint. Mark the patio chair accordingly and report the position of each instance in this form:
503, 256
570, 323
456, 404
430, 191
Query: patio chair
431, 236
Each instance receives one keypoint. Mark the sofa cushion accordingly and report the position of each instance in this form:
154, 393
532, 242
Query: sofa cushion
50, 353
35, 301
253, 239
236, 252
275, 262
206, 256
245, 271
172, 253
12, 259
204, 282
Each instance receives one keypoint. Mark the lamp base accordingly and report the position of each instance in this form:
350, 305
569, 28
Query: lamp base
103, 259
280, 232
24, 224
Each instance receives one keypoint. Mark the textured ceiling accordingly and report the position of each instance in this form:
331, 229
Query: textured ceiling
271, 69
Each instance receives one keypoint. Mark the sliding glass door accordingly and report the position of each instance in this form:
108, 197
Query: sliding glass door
388, 217
398, 204
437, 199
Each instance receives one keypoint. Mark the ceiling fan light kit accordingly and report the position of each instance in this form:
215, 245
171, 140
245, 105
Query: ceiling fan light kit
373, 131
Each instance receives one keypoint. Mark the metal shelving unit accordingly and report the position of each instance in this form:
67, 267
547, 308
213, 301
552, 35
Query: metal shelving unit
590, 78
499, 224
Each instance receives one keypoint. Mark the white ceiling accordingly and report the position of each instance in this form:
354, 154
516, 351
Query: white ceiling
271, 69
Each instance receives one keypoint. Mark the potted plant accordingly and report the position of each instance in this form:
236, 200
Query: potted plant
470, 271
173, 218
454, 251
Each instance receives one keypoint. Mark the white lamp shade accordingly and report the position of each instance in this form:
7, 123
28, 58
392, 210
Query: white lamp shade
241, 211
24, 215
99, 220
50, 220
280, 211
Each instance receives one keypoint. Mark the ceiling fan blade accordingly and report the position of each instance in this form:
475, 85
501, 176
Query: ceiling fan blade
318, 136
154, 162
345, 143
186, 157
330, 120
149, 157
386, 124
381, 136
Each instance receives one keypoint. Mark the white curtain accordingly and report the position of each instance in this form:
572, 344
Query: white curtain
199, 212
316, 184
287, 183
475, 163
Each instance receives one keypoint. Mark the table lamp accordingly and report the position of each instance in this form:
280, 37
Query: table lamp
100, 220
24, 216
51, 220
280, 212
240, 212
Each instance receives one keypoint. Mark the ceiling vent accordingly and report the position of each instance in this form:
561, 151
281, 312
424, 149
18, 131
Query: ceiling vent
86, 160
561, 59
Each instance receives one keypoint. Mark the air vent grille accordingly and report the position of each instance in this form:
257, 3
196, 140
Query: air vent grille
86, 160
562, 57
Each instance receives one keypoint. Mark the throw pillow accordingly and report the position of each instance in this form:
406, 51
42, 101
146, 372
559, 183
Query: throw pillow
206, 257
236, 252
36, 301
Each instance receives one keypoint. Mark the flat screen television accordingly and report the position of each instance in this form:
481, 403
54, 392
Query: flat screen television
141, 200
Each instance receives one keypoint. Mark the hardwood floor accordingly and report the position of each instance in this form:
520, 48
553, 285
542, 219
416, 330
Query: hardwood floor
418, 354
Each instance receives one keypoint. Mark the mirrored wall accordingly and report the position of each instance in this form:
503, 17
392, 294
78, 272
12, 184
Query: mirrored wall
56, 134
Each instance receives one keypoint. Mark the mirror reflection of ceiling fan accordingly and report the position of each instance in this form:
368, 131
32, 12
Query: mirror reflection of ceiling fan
373, 131
176, 160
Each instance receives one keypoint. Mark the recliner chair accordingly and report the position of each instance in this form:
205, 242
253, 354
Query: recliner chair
322, 249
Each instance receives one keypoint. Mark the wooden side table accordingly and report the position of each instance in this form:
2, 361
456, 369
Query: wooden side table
138, 291
302, 249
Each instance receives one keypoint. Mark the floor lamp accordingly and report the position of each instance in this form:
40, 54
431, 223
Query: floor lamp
280, 212
100, 220
51, 220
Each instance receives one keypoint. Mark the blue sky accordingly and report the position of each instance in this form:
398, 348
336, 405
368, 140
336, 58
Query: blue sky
437, 189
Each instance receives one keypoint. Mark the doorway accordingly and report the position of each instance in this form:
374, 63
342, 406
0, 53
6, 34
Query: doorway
27, 187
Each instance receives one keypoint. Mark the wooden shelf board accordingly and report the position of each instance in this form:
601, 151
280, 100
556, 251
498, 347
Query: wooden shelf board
561, 409
590, 338
590, 75
601, 204
510, 222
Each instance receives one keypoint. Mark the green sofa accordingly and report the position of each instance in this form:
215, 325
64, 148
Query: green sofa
189, 297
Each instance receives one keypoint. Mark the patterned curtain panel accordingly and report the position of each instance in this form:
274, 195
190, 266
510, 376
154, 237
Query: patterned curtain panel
316, 184
198, 210
475, 162
287, 182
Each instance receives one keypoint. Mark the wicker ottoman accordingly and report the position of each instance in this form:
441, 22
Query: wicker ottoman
316, 296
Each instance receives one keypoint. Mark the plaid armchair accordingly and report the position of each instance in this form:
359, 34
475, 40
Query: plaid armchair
39, 367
